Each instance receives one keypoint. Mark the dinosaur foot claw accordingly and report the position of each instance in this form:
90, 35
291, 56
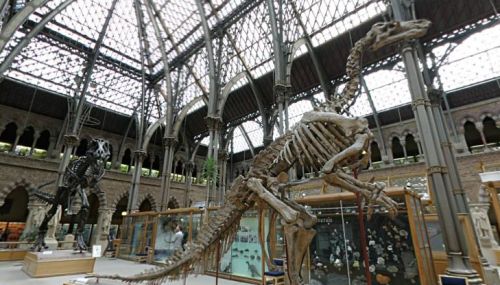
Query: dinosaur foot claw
80, 243
39, 244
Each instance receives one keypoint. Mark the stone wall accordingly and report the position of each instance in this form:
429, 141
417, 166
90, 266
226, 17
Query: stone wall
28, 172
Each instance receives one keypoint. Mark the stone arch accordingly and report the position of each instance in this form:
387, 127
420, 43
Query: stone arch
8, 135
151, 199
30, 187
375, 152
43, 141
173, 203
117, 217
103, 201
466, 119
396, 147
491, 130
27, 136
485, 115
471, 134
118, 198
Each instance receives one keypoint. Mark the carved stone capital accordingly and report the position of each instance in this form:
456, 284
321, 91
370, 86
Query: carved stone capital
140, 154
213, 123
189, 165
223, 155
169, 141
420, 102
281, 92
71, 140
435, 96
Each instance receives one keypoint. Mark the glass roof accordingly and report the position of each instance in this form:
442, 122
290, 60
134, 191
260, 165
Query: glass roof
470, 62
57, 57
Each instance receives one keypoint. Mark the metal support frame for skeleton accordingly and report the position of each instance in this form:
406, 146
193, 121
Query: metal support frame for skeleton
324, 140
80, 174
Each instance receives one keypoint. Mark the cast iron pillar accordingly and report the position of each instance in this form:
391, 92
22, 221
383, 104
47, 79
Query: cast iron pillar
437, 171
140, 155
214, 125
168, 157
223, 158
189, 166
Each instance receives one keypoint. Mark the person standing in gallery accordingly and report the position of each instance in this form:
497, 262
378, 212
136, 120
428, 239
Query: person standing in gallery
178, 238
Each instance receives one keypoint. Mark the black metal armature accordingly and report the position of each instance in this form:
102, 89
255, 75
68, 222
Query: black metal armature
84, 172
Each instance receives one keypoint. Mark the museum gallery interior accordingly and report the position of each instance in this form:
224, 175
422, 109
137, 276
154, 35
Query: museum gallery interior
320, 142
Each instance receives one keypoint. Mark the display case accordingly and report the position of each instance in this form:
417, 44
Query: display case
136, 235
151, 234
165, 230
398, 249
438, 248
245, 260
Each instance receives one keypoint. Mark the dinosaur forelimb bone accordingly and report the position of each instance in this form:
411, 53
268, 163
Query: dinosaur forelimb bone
353, 151
349, 125
286, 212
297, 242
373, 193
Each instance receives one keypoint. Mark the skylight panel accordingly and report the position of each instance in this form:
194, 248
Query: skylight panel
297, 109
255, 132
239, 142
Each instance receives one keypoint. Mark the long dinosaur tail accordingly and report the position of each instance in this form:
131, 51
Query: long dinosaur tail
216, 235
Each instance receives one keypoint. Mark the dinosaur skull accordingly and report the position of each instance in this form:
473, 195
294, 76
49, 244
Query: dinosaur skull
99, 149
386, 33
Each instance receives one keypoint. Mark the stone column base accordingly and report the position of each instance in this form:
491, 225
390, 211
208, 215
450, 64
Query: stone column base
51, 243
68, 241
103, 244
491, 275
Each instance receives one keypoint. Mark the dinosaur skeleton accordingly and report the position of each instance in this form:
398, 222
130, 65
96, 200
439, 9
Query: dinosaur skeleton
323, 139
81, 173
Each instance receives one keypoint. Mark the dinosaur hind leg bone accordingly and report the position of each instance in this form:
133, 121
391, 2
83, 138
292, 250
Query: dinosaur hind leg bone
298, 239
297, 227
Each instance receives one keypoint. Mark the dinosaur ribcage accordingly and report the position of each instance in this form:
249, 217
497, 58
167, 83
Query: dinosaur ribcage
313, 144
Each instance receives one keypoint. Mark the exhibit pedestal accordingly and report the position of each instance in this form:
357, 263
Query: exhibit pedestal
55, 263
12, 254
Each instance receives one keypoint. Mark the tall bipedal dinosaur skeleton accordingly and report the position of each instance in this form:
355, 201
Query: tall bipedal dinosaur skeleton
81, 173
323, 139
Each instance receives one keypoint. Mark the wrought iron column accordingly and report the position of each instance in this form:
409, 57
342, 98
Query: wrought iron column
280, 85
169, 149
454, 239
189, 181
223, 157
213, 118
140, 155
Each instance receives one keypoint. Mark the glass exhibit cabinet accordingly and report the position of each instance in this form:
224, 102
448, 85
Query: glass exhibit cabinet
398, 249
